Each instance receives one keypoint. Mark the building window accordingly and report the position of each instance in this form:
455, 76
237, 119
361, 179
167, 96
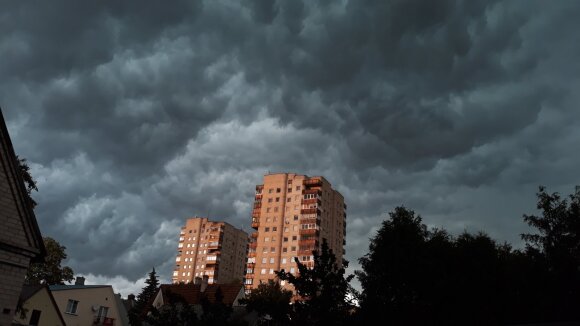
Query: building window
289, 199
293, 248
268, 210
295, 217
275, 209
270, 190
264, 260
274, 229
267, 239
277, 199
269, 200
289, 189
267, 230
284, 249
297, 188
272, 249
263, 271
271, 271
294, 238
285, 239
292, 270
272, 260
278, 189
283, 260
71, 307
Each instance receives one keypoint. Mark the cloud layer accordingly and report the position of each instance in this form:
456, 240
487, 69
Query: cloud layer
136, 115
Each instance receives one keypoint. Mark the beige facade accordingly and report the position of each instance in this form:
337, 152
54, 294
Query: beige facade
39, 308
292, 214
82, 305
20, 239
213, 249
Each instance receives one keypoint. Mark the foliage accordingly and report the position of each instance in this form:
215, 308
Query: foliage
216, 313
557, 245
29, 181
50, 271
323, 290
412, 275
138, 312
176, 313
271, 302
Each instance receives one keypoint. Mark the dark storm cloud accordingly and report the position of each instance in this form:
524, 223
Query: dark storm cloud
135, 115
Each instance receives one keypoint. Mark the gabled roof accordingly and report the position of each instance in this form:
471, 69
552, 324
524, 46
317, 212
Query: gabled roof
10, 168
192, 294
28, 291
62, 287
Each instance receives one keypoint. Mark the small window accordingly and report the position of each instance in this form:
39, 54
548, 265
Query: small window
289, 189
295, 217
277, 199
263, 271
284, 249
297, 188
264, 260
267, 229
271, 260
283, 260
285, 239
269, 200
274, 229
278, 189
270, 190
288, 199
71, 307
294, 238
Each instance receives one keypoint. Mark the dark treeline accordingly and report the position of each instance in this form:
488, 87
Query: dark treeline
413, 275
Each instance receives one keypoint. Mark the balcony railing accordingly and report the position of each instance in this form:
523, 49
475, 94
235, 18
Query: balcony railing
254, 235
256, 224
315, 182
312, 191
310, 211
309, 232
308, 243
253, 245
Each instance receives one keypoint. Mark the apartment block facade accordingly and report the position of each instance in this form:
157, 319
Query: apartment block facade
292, 215
214, 249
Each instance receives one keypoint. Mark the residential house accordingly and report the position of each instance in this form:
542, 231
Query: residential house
83, 305
20, 239
38, 308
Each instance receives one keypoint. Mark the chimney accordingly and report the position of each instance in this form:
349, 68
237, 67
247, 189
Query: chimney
204, 283
197, 280
80, 280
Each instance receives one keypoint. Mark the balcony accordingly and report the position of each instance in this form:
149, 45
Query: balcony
305, 251
250, 265
104, 321
258, 205
253, 245
254, 235
313, 232
251, 254
312, 191
256, 224
309, 219
308, 243
311, 201
214, 245
310, 211
314, 182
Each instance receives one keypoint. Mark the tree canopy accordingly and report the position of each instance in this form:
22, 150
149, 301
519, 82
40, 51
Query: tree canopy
138, 313
323, 290
50, 271
271, 302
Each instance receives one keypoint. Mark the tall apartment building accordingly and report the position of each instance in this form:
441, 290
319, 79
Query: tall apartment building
215, 249
292, 214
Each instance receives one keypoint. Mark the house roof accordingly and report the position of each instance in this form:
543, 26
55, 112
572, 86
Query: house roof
192, 294
76, 287
28, 291
10, 166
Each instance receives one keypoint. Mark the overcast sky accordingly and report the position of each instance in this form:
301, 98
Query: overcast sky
135, 115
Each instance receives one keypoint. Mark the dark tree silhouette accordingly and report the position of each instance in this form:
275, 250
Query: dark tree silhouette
557, 242
323, 290
29, 181
271, 302
217, 312
138, 313
50, 271
177, 312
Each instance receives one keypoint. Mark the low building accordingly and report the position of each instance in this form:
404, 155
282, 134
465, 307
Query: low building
20, 239
38, 308
83, 305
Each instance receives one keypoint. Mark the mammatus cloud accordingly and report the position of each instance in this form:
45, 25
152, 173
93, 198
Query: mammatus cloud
137, 115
